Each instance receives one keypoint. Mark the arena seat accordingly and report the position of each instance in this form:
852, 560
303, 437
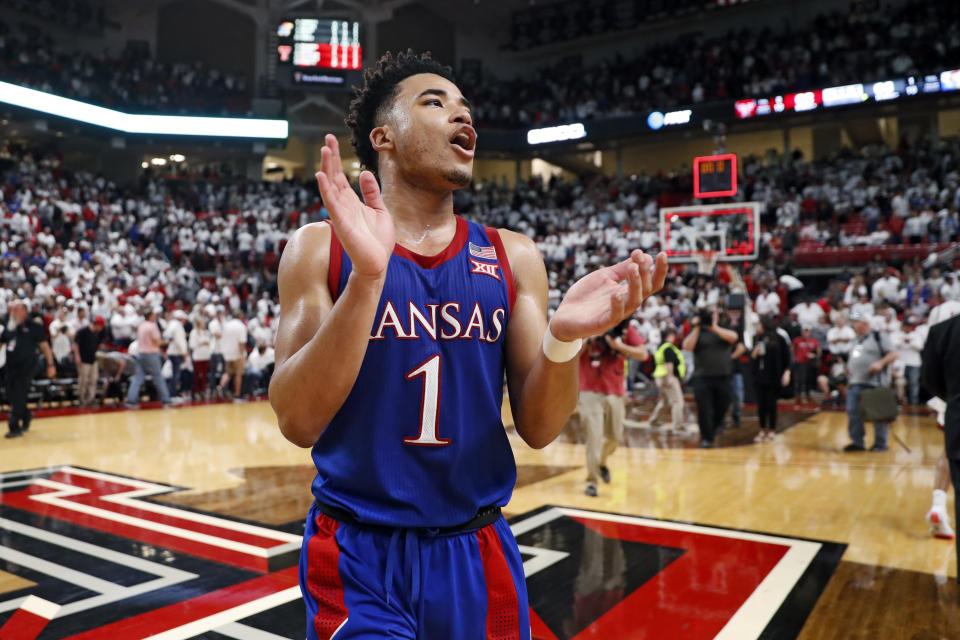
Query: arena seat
806, 256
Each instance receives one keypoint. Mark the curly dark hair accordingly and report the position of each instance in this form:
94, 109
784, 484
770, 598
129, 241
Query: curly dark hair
372, 101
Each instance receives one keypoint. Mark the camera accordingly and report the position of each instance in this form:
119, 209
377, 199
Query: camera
599, 346
706, 317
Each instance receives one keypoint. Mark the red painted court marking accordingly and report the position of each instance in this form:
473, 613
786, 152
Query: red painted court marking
99, 488
692, 598
176, 615
29, 621
538, 628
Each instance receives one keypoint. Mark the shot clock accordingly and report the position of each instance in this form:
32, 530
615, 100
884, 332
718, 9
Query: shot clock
715, 176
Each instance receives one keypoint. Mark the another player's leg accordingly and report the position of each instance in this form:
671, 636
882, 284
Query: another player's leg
736, 399
823, 383
613, 431
675, 397
703, 396
764, 416
591, 416
133, 391
663, 402
937, 516
854, 420
881, 431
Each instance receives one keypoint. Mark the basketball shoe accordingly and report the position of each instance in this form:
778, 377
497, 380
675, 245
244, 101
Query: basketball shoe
939, 522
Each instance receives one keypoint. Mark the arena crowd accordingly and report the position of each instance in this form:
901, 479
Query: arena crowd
861, 44
203, 250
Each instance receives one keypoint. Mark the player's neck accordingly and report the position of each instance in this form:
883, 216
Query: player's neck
423, 218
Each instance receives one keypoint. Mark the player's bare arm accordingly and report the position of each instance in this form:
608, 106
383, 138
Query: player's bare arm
544, 393
318, 339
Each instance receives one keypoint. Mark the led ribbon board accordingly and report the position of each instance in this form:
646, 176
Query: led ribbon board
560, 133
138, 123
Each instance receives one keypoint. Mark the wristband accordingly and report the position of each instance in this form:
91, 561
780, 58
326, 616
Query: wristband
558, 351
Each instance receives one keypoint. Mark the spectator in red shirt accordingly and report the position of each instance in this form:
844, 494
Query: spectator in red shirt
601, 406
895, 225
806, 352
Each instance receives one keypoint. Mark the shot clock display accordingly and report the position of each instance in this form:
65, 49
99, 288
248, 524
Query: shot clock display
715, 176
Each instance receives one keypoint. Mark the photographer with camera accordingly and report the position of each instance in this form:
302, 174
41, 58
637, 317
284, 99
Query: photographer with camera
602, 390
712, 346
771, 372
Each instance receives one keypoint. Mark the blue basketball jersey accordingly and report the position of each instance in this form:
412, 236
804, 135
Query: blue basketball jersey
419, 441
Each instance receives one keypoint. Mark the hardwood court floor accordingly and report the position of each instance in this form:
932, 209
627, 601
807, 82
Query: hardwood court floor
894, 582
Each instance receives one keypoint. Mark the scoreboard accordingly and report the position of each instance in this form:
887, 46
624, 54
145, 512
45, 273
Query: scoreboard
715, 176
318, 52
312, 43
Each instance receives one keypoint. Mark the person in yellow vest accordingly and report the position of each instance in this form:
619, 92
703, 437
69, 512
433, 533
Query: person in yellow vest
670, 370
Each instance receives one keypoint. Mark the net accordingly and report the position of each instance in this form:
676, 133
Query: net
706, 261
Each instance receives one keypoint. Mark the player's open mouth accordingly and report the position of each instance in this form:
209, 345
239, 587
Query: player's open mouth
464, 141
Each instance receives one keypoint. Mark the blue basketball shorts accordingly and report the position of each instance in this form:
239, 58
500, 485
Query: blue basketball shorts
363, 584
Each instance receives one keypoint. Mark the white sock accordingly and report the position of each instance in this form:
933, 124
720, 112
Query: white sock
939, 499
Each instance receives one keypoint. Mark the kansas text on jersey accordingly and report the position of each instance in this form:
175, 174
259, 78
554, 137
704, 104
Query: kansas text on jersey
419, 441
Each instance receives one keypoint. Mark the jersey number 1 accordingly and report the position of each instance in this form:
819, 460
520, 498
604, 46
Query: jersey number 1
429, 404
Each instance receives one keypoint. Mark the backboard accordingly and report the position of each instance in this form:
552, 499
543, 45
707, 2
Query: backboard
732, 230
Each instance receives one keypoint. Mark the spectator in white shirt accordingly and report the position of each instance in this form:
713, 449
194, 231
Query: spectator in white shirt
885, 289
855, 291
200, 346
950, 290
215, 326
60, 324
864, 307
840, 338
233, 345
808, 313
768, 302
942, 310
61, 341
885, 320
176, 335
908, 342
257, 374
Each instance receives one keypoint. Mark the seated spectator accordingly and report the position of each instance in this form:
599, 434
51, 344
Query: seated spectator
259, 367
115, 367
840, 338
833, 384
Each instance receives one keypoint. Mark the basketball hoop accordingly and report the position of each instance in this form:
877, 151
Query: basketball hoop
706, 261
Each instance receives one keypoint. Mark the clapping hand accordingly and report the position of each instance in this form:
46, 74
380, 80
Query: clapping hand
602, 299
364, 228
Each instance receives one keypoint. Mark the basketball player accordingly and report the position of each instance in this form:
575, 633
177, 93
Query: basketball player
937, 516
940, 354
396, 326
